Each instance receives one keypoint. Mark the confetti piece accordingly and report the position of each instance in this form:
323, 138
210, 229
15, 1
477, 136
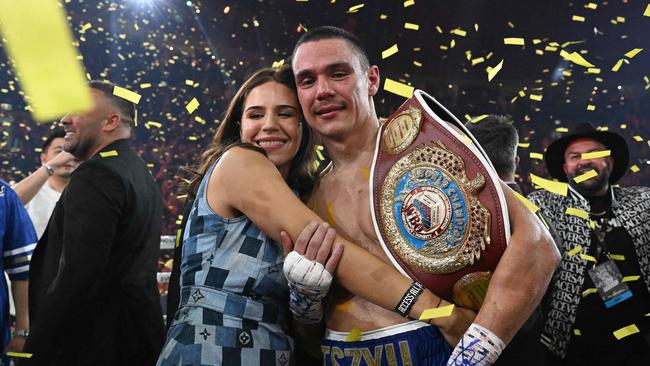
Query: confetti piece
536, 97
578, 18
626, 331
560, 188
633, 52
409, 3
646, 13
458, 32
577, 332
145, 85
531, 206
383, 17
524, 145
586, 176
411, 26
631, 278
477, 60
591, 6
514, 41
479, 118
354, 335
355, 8
638, 138
85, 27
492, 72
618, 65
389, 51
535, 155
150, 124
634, 168
616, 257
417, 63
398, 88
126, 94
596, 154
620, 19
591, 107
576, 58
192, 105
440, 312
19, 354
577, 212
574, 251
593, 70
589, 291
561, 129
277, 64
34, 33
587, 257
108, 154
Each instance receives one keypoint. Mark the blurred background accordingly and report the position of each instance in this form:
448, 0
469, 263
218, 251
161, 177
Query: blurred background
171, 51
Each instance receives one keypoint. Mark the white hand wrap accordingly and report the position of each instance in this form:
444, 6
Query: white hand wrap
309, 282
479, 346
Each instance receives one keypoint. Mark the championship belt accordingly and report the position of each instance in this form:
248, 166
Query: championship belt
438, 207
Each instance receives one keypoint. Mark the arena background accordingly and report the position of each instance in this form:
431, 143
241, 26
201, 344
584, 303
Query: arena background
171, 51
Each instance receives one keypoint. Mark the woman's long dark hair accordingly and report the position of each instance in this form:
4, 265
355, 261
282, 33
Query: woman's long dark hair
301, 175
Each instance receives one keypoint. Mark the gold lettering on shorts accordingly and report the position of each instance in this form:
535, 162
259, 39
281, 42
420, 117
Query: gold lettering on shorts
390, 355
406, 354
355, 353
368, 357
336, 353
325, 350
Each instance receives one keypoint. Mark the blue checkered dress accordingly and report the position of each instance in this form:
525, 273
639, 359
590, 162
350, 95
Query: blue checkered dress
233, 308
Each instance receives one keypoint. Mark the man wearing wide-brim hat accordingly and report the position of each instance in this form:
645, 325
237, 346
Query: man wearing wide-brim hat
601, 291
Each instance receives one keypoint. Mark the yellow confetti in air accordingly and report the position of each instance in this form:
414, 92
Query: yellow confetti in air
576, 58
637, 138
417, 63
477, 60
577, 332
150, 124
537, 156
438, 29
479, 118
383, 17
34, 31
578, 18
145, 85
560, 188
439, 312
589, 291
620, 19
529, 205
591, 107
178, 238
577, 249
646, 13
630, 278
593, 70
458, 32
411, 26
492, 72
124, 93
354, 335
586, 176
475, 27
192, 105
85, 27
591, 6
616, 257
19, 354
536, 97
634, 168
618, 65
398, 88
514, 41
524, 145
355, 8
389, 51
596, 154
108, 154
633, 52
626, 331
409, 3
577, 212
561, 129
189, 82
277, 64
587, 257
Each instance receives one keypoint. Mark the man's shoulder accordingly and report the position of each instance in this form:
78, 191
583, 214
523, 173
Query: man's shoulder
638, 192
542, 194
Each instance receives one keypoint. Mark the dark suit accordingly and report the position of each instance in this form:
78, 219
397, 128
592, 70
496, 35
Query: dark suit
93, 292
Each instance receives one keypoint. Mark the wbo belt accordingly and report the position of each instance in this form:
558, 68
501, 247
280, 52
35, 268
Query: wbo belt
437, 204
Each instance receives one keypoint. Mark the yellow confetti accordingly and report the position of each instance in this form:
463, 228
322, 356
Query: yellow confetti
145, 85
389, 51
593, 70
631, 278
634, 168
646, 13
417, 63
383, 17
108, 154
587, 257
126, 94
618, 65
576, 58
578, 18
354, 335
620, 19
398, 88
574, 251
524, 145
536, 97
19, 354
492, 72
577, 212
561, 129
531, 206
479, 118
596, 154
591, 107
535, 155
478, 60
440, 312
355, 8
591, 6
458, 32
560, 188
277, 64
586, 176
409, 3
626, 331
411, 26
616, 257
192, 105
34, 31
85, 27
577, 332
633, 52
150, 124
637, 138
589, 291
514, 41
189, 82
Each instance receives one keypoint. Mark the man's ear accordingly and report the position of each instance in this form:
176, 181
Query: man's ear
373, 80
566, 171
113, 121
517, 162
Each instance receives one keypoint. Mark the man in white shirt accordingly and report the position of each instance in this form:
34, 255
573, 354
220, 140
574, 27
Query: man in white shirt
41, 190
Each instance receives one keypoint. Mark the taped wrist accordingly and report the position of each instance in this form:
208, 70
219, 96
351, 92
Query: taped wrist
479, 346
409, 298
309, 283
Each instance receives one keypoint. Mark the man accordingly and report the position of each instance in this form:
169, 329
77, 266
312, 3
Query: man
18, 242
606, 235
41, 190
336, 85
94, 287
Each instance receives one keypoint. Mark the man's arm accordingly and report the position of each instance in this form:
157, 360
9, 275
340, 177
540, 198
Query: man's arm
523, 274
19, 294
27, 188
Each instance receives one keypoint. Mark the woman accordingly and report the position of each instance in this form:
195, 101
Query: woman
233, 293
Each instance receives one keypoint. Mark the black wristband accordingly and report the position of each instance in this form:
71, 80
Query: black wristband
410, 297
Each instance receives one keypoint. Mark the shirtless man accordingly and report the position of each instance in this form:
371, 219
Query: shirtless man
336, 85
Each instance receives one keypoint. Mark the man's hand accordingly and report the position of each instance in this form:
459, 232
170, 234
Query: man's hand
62, 159
453, 327
16, 344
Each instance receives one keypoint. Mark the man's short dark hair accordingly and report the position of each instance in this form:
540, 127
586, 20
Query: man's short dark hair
329, 32
498, 137
56, 133
126, 108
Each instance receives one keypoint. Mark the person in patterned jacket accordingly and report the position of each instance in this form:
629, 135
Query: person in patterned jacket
601, 291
